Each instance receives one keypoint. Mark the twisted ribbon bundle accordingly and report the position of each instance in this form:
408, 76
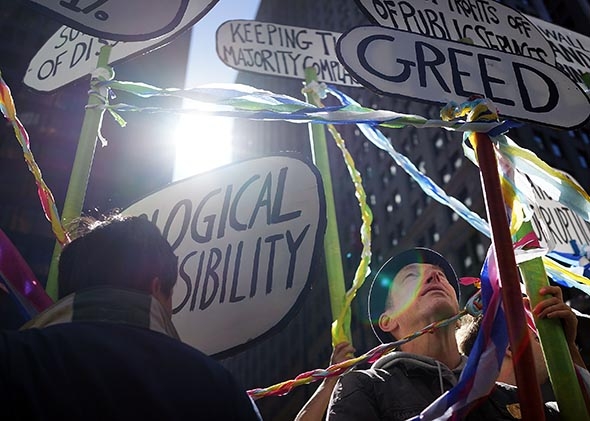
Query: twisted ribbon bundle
45, 196
473, 307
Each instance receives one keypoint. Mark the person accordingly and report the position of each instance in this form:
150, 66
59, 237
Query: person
107, 350
502, 403
410, 291
315, 408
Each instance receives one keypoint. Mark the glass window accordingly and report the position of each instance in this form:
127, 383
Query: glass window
555, 148
439, 143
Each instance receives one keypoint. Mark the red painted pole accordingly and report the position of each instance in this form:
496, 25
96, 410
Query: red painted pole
529, 393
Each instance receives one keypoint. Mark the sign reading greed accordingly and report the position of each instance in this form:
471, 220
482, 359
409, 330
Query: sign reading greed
245, 236
486, 23
122, 20
439, 71
281, 50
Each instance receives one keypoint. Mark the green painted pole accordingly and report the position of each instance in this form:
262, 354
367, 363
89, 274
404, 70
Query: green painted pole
559, 362
80, 171
332, 252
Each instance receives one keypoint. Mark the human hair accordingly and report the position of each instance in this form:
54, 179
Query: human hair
123, 252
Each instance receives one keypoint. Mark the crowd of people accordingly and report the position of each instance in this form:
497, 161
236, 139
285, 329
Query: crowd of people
108, 348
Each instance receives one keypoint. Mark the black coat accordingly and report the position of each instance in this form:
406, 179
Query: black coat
107, 371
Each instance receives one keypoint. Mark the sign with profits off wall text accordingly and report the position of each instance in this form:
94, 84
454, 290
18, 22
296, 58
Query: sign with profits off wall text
487, 24
245, 236
572, 50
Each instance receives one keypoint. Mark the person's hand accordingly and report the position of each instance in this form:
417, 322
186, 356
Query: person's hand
342, 352
554, 307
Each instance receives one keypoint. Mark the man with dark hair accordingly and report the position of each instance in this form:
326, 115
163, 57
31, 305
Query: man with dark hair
108, 349
502, 403
411, 290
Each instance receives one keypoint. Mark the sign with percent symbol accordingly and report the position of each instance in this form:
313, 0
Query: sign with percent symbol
119, 20
71, 54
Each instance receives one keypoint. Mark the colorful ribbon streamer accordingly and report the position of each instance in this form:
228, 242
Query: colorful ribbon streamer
338, 334
369, 357
47, 201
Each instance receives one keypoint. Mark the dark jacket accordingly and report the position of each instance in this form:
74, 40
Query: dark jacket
502, 405
397, 387
112, 370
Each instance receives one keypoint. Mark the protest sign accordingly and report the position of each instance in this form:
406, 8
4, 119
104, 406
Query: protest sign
122, 20
556, 225
438, 71
70, 54
572, 50
245, 236
486, 23
281, 50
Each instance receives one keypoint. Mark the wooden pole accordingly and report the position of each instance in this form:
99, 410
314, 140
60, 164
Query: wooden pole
529, 393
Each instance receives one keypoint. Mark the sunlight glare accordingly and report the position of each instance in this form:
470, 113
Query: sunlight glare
202, 143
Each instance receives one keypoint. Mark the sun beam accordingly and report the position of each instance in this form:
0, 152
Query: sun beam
202, 143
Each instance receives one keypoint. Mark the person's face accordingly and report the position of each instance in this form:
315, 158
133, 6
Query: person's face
507, 371
420, 294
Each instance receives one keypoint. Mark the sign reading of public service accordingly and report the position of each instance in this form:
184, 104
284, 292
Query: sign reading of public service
281, 50
120, 20
572, 50
486, 23
439, 71
245, 236
71, 54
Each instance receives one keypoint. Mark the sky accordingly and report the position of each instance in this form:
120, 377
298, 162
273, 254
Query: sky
203, 143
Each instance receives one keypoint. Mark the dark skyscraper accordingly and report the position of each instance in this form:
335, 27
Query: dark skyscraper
403, 215
138, 159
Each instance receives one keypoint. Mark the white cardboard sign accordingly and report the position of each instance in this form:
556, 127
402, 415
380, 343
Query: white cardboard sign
280, 50
572, 50
562, 224
487, 23
245, 236
439, 71
120, 20
70, 54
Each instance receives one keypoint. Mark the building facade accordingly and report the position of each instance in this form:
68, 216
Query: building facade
138, 159
403, 215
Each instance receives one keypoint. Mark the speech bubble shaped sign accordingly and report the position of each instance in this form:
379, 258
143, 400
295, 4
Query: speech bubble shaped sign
439, 71
70, 54
486, 23
245, 236
572, 50
280, 50
119, 20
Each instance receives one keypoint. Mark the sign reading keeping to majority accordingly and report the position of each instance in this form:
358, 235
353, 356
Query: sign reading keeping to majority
281, 50
486, 23
572, 50
245, 236
120, 20
439, 71
71, 54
